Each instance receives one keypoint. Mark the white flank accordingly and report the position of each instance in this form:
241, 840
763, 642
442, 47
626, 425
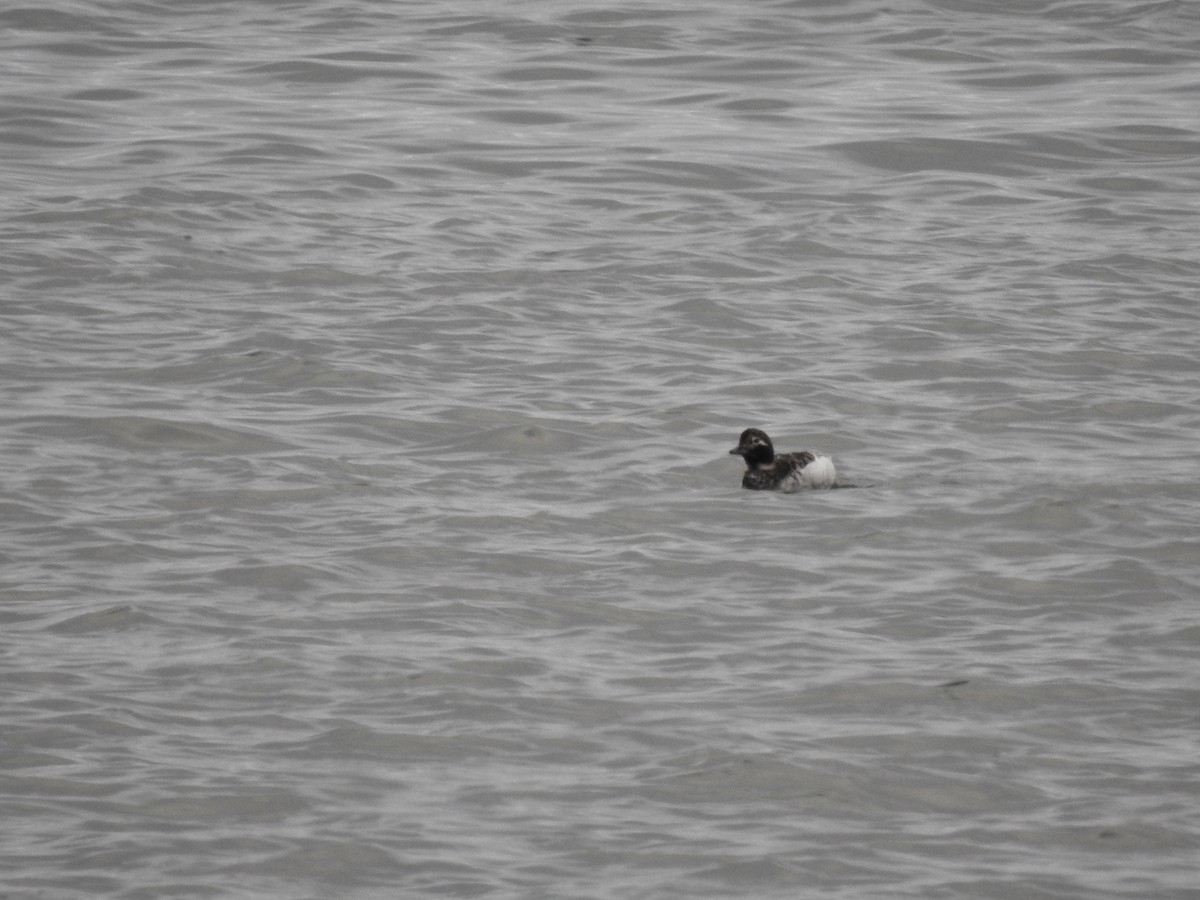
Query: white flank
819, 473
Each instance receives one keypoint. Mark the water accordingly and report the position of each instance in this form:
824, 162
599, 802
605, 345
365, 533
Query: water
369, 376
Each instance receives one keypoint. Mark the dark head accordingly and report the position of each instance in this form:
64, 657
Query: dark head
755, 447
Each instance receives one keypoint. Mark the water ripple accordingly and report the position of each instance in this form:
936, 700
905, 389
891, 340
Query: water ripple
370, 376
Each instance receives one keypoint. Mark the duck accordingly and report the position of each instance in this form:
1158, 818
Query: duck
787, 472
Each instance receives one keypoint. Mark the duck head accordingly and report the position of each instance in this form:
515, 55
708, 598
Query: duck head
755, 447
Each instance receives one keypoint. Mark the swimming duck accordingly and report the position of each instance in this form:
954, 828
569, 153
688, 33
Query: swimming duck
786, 472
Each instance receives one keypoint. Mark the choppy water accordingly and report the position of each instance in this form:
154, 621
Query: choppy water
369, 373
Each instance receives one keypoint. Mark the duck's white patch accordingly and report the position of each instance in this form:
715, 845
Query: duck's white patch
819, 473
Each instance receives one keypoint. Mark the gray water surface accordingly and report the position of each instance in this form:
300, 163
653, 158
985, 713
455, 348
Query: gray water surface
369, 372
